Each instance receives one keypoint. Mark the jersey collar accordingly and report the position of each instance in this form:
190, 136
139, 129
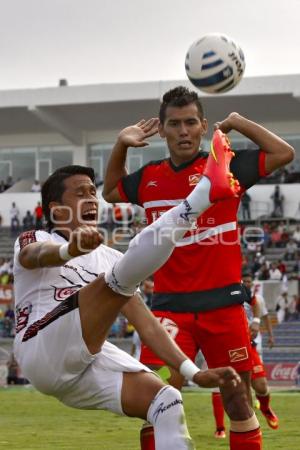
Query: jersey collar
200, 154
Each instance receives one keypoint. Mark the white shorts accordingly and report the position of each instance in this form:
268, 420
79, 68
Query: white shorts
57, 362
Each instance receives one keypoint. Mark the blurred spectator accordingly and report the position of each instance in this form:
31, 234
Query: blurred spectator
276, 238
291, 250
10, 313
281, 266
36, 187
38, 214
278, 200
296, 235
2, 186
282, 307
136, 345
14, 218
274, 272
117, 215
245, 202
257, 263
296, 302
28, 221
246, 265
147, 287
263, 273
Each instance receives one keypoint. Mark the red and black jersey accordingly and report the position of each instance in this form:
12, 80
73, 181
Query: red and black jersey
208, 259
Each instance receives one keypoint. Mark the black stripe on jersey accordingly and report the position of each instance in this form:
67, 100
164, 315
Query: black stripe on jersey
131, 182
182, 166
63, 308
193, 302
245, 167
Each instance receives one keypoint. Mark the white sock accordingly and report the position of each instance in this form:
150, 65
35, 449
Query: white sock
151, 248
166, 414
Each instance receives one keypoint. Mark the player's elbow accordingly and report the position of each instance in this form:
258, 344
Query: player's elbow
288, 154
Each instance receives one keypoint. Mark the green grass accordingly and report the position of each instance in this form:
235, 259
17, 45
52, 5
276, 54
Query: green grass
30, 420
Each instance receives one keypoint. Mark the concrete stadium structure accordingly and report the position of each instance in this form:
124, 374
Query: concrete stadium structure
42, 129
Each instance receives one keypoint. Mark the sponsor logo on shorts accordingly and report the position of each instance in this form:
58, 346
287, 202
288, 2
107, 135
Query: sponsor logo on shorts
169, 325
257, 369
194, 179
235, 293
238, 354
151, 183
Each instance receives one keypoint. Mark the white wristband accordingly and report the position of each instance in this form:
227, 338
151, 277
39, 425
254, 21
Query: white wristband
64, 252
256, 320
188, 369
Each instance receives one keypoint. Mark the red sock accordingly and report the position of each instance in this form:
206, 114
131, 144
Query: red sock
264, 401
250, 440
218, 410
147, 437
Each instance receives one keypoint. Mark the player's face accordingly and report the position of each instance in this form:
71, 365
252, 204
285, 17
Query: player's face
183, 130
79, 204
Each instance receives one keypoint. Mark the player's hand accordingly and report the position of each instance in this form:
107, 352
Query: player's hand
254, 329
136, 135
227, 124
83, 240
222, 376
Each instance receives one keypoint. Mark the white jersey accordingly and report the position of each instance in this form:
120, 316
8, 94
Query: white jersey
40, 290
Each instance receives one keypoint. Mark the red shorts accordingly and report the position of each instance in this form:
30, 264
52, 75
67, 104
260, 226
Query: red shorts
221, 334
258, 370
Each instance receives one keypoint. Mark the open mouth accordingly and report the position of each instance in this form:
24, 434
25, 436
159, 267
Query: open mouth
89, 216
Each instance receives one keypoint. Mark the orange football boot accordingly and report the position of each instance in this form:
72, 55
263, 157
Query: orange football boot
223, 183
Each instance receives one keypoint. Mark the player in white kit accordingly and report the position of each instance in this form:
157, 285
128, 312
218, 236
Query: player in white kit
69, 290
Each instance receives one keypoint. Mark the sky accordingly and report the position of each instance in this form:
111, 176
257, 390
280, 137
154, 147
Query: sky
117, 41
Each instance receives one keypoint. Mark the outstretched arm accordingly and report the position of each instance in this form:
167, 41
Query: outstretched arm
48, 254
132, 136
278, 152
156, 337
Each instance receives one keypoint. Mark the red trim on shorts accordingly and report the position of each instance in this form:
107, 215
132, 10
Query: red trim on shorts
121, 191
262, 164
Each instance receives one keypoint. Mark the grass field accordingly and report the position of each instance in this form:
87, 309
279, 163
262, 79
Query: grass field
30, 420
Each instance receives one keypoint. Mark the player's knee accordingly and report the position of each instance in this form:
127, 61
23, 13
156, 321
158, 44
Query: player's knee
237, 405
168, 402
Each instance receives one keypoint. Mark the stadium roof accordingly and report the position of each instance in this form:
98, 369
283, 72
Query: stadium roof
73, 111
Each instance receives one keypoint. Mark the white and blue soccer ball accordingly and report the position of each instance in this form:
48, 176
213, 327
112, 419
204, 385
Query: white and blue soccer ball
215, 63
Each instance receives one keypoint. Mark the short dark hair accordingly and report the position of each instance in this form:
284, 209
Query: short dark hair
247, 275
54, 187
179, 97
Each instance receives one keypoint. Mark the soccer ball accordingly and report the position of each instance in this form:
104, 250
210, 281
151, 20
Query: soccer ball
215, 63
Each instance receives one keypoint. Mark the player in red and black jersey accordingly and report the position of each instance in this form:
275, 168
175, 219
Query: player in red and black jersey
202, 277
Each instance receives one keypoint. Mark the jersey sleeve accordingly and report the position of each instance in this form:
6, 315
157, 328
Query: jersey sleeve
26, 238
248, 166
129, 187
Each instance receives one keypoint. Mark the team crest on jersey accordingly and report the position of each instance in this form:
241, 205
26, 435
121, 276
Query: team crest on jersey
63, 293
22, 316
238, 354
28, 237
194, 179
